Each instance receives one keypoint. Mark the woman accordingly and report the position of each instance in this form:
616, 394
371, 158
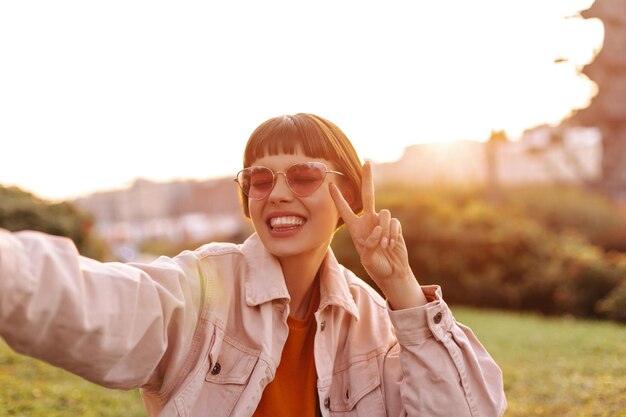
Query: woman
274, 326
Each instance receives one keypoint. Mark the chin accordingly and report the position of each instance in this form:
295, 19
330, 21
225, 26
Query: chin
283, 249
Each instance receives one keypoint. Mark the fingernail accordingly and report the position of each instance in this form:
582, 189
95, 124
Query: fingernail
384, 242
392, 243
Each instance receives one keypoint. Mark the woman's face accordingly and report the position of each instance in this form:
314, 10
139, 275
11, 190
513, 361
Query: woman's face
290, 225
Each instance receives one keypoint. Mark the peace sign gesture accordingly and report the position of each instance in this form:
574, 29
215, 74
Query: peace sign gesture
378, 240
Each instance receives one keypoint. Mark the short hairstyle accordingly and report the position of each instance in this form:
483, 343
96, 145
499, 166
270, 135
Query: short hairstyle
317, 138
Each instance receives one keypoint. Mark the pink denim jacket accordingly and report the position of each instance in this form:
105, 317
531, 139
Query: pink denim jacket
202, 333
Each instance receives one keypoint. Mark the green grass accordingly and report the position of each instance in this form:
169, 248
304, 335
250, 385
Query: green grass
552, 367
31, 388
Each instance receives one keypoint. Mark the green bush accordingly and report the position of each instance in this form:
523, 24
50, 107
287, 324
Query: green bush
562, 209
590, 275
613, 306
495, 256
20, 210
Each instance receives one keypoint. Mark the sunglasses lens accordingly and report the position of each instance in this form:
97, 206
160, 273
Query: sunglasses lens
256, 182
303, 179
306, 177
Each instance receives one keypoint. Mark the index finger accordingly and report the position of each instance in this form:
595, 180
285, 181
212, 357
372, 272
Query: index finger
367, 189
345, 211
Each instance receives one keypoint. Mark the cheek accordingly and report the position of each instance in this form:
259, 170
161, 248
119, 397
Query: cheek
328, 209
255, 209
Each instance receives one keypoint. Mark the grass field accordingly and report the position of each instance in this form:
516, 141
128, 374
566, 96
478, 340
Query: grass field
555, 367
552, 367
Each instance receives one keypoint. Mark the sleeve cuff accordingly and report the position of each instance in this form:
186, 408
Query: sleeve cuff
415, 325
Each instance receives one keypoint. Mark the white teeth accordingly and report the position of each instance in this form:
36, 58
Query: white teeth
286, 221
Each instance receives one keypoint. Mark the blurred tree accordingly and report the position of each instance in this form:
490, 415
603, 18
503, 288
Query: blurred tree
20, 210
491, 159
608, 109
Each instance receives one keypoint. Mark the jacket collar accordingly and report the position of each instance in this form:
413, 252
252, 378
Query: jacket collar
333, 286
264, 277
265, 281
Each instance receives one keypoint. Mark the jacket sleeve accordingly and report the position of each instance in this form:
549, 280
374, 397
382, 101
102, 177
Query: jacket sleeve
110, 323
445, 371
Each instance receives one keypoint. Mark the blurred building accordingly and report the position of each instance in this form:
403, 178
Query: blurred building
545, 155
182, 211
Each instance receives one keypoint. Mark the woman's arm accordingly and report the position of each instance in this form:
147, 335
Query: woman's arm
110, 323
440, 369
443, 368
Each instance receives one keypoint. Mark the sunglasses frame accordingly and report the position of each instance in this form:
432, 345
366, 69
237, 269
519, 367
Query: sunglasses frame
276, 173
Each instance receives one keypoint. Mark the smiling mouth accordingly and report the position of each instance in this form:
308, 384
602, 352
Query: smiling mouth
285, 223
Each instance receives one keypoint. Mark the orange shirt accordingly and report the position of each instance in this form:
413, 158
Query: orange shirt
293, 392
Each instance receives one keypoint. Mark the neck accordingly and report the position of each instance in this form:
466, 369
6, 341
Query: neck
300, 278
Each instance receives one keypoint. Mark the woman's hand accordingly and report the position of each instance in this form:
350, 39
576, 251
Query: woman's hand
378, 240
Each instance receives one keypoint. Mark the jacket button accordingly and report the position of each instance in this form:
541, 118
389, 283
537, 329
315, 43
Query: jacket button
437, 318
216, 369
322, 327
327, 403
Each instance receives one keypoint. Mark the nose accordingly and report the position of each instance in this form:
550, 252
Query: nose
281, 190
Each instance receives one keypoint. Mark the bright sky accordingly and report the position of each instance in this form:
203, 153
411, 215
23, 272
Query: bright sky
96, 94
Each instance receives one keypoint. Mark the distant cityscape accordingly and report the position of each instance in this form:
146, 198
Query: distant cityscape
544, 155
193, 211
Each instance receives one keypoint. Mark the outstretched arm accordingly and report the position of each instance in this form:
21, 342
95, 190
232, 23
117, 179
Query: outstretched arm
110, 323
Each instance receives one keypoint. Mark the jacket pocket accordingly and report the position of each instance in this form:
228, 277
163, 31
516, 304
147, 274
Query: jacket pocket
232, 365
225, 376
356, 390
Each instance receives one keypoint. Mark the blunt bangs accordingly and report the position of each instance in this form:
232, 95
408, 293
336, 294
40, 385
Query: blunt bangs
285, 134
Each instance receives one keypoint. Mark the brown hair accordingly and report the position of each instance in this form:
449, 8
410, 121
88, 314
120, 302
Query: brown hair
318, 138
